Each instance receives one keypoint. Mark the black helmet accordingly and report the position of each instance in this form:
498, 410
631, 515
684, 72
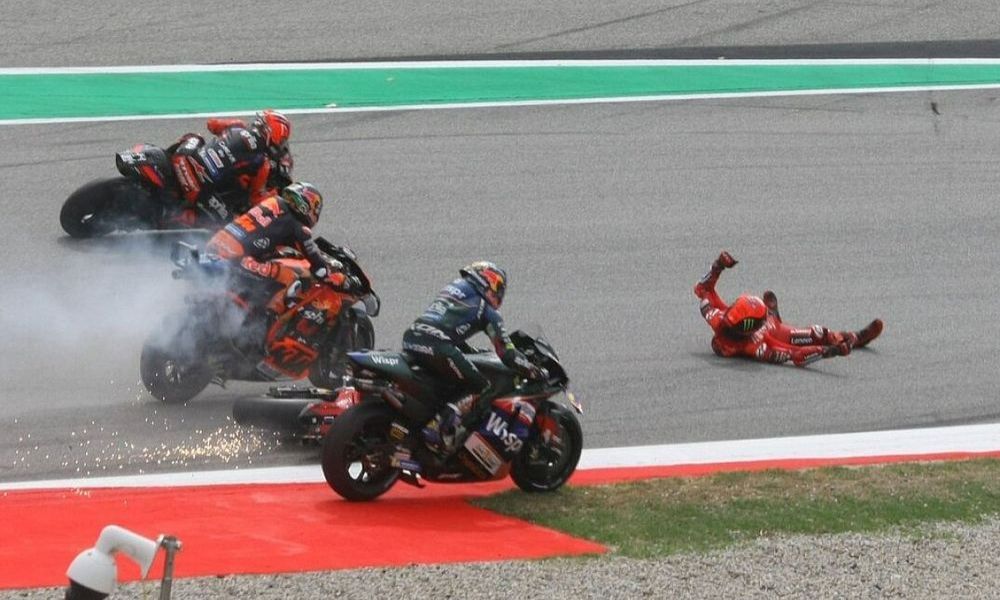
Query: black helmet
488, 279
305, 202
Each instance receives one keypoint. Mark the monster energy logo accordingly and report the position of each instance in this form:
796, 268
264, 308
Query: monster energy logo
748, 324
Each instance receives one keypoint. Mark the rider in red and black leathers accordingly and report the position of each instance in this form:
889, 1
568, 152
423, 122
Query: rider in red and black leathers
437, 341
751, 327
251, 160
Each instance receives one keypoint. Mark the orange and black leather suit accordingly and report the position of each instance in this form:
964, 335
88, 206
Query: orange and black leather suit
253, 241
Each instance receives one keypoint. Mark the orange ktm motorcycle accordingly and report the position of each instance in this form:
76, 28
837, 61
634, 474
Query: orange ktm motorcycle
146, 196
220, 334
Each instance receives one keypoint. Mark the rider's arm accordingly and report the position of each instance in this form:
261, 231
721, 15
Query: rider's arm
218, 125
256, 184
320, 265
305, 244
251, 166
705, 288
505, 349
712, 306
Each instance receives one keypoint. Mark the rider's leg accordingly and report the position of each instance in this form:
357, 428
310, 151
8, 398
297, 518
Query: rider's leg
771, 302
869, 333
446, 431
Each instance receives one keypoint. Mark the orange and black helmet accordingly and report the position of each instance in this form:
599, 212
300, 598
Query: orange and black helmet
745, 316
488, 279
305, 202
275, 128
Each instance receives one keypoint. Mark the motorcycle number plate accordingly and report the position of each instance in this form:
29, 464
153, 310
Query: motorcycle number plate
484, 453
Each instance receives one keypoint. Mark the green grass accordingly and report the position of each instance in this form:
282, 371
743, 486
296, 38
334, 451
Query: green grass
665, 516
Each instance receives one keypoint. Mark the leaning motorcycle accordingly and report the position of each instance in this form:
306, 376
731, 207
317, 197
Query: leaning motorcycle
378, 440
146, 196
219, 335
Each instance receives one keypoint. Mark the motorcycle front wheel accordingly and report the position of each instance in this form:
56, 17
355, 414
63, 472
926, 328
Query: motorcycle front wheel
356, 453
328, 370
543, 466
169, 365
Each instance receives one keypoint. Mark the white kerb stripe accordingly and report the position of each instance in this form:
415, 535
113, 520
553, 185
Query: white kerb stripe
936, 440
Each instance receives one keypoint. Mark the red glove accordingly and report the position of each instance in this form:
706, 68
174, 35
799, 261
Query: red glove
725, 261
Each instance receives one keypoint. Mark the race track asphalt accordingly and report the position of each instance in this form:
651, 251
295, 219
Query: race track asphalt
849, 207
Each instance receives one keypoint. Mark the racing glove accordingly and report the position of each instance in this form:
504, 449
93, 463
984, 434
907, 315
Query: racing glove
725, 261
328, 268
343, 282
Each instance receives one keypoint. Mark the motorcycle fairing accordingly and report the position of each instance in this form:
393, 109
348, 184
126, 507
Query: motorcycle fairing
392, 365
146, 163
488, 451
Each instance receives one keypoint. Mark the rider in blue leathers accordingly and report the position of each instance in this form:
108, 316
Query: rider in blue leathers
437, 342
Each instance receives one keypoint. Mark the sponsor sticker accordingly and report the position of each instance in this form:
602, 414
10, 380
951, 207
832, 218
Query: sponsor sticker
484, 453
384, 360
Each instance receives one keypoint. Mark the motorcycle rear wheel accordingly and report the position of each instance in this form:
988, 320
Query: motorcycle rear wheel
355, 461
85, 213
538, 467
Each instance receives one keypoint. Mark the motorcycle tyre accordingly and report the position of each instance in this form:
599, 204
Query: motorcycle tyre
273, 414
151, 371
525, 475
337, 445
328, 370
93, 198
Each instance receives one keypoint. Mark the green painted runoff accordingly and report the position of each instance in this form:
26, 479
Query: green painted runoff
40, 96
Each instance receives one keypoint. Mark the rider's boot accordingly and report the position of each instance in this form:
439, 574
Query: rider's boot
771, 302
869, 333
439, 433
446, 431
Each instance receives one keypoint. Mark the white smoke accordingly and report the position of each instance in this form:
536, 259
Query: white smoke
91, 311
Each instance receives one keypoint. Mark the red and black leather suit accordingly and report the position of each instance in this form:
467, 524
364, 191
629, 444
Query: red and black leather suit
751, 327
238, 159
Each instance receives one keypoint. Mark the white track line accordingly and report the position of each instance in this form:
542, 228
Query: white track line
903, 442
495, 64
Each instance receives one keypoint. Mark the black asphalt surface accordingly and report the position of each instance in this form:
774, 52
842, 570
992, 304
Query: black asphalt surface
849, 207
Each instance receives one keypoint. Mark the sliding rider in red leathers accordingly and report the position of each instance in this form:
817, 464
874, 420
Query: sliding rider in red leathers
751, 327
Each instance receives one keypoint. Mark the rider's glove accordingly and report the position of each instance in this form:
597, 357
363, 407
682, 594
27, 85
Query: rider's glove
329, 268
725, 261
351, 283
